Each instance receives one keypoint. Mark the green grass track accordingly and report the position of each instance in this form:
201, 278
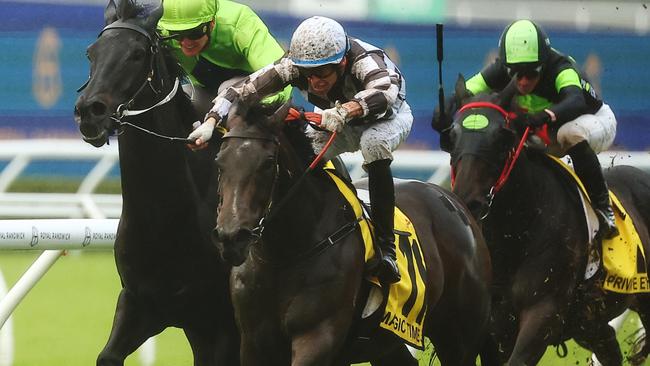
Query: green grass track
65, 320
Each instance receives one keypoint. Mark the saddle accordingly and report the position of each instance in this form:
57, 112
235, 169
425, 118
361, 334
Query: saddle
405, 301
623, 257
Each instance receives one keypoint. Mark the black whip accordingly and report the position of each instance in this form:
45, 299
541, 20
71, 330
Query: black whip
441, 91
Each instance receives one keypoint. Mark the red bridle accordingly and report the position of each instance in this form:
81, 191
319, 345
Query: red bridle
513, 154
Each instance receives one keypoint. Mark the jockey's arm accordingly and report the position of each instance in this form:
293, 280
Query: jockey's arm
571, 102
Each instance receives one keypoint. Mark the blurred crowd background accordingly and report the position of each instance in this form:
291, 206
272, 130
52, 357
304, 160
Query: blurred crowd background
43, 44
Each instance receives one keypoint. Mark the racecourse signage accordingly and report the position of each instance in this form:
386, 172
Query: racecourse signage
57, 234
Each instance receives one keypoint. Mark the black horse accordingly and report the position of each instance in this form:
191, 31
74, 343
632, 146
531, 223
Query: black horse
171, 273
297, 287
535, 227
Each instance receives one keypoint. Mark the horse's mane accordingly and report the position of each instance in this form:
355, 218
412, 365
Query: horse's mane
293, 131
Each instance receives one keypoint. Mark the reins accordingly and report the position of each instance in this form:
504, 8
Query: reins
272, 209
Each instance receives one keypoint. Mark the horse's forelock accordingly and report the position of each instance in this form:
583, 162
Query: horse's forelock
301, 143
144, 13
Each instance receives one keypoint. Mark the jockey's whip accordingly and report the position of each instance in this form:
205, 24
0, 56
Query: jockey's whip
439, 54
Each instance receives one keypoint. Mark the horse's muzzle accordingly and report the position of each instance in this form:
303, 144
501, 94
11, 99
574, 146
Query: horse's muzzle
93, 121
234, 246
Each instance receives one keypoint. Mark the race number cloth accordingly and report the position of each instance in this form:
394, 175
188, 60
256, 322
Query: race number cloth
623, 255
406, 307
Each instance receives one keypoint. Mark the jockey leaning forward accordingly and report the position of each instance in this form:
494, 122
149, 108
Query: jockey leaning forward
553, 92
217, 42
362, 96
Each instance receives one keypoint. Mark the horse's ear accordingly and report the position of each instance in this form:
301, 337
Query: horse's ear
461, 93
110, 13
129, 9
277, 120
238, 109
507, 95
153, 16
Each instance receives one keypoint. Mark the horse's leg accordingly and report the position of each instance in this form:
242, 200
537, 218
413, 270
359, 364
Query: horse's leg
397, 356
451, 349
459, 331
132, 326
535, 323
642, 308
321, 345
213, 347
600, 338
490, 352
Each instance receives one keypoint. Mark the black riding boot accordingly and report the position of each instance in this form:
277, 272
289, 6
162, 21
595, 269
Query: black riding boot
587, 167
382, 201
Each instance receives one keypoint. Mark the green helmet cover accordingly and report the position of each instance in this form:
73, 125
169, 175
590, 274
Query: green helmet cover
179, 15
523, 42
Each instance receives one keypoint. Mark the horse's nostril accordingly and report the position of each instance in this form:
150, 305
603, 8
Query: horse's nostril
98, 109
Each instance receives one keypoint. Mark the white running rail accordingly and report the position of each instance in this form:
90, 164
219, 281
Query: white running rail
56, 236
17, 155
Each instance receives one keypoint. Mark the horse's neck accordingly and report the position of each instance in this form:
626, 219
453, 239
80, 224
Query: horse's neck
151, 166
303, 220
528, 187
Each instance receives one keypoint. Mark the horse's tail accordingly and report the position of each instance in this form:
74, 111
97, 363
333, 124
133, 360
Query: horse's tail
489, 352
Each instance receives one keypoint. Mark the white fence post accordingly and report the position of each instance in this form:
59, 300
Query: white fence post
6, 333
26, 283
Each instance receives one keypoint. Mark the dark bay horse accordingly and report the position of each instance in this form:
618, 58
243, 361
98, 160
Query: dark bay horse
171, 273
299, 258
536, 230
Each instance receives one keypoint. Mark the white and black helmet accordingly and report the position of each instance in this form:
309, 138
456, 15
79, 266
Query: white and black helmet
318, 41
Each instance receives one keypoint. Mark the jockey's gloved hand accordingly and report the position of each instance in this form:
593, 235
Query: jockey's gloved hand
439, 123
334, 119
535, 120
203, 133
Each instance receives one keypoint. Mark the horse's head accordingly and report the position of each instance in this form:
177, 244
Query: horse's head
122, 63
480, 142
249, 170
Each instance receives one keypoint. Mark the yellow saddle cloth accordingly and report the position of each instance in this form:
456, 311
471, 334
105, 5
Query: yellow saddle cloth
623, 255
406, 308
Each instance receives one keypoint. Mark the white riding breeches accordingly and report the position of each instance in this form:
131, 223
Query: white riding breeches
377, 140
597, 129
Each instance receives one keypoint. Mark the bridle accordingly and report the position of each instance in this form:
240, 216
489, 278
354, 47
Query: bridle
124, 109
513, 153
271, 208
259, 229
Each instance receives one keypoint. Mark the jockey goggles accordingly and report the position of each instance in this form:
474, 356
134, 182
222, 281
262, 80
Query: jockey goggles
321, 72
519, 71
191, 34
